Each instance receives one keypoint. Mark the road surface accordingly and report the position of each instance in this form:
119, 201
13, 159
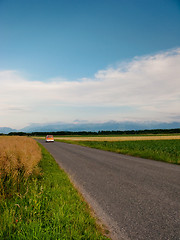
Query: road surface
136, 198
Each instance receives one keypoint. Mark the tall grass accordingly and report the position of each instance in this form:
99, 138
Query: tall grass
43, 206
19, 157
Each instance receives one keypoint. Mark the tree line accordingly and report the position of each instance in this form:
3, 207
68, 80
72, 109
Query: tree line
99, 133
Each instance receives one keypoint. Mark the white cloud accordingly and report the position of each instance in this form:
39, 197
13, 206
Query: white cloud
149, 84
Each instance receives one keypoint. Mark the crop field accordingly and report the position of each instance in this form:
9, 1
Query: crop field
161, 150
37, 199
119, 138
19, 157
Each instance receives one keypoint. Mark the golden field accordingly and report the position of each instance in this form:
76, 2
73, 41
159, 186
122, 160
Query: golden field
18, 154
129, 138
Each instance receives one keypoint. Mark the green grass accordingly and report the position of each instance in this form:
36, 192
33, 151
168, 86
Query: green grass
48, 207
161, 150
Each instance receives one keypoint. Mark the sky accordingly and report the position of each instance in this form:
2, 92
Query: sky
89, 61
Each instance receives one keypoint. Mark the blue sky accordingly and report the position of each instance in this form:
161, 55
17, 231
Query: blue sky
89, 60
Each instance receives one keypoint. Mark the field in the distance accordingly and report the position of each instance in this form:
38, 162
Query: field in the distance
114, 138
118, 138
164, 148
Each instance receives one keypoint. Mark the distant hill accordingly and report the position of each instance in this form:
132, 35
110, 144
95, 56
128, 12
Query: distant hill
6, 130
95, 127
92, 127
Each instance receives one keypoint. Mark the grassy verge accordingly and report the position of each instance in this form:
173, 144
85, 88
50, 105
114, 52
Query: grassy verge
47, 207
161, 150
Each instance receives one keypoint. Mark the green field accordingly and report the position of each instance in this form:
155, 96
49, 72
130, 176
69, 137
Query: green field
46, 207
161, 150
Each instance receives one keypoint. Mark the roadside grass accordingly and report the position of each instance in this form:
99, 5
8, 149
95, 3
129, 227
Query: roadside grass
161, 150
47, 206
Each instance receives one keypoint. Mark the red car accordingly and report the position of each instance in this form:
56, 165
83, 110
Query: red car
49, 138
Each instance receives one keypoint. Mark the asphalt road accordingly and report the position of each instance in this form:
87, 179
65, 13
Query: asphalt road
136, 198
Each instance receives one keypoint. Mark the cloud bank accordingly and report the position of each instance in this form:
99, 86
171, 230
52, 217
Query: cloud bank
145, 88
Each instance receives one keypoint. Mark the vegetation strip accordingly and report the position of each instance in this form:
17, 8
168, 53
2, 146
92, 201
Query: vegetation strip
46, 206
119, 138
161, 150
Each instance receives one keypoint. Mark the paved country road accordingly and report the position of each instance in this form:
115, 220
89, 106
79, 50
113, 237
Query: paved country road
136, 198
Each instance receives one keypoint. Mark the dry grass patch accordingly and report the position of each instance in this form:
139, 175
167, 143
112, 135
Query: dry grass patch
19, 157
